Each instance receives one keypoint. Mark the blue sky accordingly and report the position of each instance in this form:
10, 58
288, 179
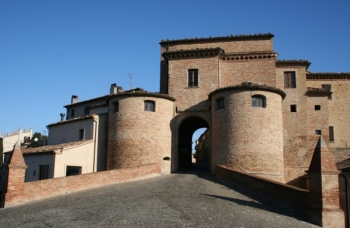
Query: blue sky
50, 50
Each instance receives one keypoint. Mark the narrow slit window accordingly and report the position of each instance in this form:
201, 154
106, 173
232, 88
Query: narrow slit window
116, 107
331, 133
86, 111
220, 103
81, 134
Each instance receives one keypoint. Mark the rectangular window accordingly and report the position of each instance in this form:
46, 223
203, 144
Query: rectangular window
72, 113
86, 111
331, 134
317, 107
81, 134
220, 103
293, 108
318, 132
43, 172
73, 170
258, 101
150, 106
192, 77
328, 87
289, 79
26, 139
116, 107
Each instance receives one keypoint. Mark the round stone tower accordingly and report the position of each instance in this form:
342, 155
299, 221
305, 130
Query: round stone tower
247, 132
139, 129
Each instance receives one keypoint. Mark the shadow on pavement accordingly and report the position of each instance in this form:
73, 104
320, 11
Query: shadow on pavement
260, 201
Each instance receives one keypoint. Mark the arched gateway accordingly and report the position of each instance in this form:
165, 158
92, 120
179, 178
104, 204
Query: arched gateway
186, 129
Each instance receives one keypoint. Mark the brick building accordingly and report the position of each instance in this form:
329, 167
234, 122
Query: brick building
264, 116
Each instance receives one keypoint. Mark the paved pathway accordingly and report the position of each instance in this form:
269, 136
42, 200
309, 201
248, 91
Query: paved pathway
194, 199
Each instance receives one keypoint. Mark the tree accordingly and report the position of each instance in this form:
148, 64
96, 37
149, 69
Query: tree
38, 136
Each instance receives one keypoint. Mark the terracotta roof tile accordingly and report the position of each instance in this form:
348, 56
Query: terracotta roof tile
299, 62
344, 165
53, 148
220, 38
73, 119
251, 86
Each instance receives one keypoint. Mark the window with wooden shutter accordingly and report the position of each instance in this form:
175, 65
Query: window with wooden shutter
43, 172
192, 77
289, 79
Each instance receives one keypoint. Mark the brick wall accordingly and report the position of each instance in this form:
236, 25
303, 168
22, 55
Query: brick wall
19, 192
339, 109
228, 46
316, 120
248, 138
261, 71
293, 197
193, 98
301, 201
294, 125
136, 136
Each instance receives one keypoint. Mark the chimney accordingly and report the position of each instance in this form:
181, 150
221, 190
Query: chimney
113, 89
120, 89
62, 116
74, 99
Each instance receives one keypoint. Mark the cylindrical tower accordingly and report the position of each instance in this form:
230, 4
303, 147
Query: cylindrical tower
139, 129
247, 130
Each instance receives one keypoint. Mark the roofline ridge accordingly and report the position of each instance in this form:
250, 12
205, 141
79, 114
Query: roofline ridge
230, 37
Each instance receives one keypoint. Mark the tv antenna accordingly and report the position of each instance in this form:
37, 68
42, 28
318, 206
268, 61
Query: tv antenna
131, 79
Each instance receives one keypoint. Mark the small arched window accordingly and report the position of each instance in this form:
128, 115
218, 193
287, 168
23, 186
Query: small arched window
258, 101
220, 103
150, 106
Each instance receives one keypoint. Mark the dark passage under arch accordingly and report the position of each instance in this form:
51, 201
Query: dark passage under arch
186, 130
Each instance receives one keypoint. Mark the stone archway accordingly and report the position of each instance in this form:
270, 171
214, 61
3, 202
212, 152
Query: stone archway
186, 130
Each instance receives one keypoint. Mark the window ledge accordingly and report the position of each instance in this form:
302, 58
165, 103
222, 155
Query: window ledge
192, 87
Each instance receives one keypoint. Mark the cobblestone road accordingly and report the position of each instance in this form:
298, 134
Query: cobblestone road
194, 199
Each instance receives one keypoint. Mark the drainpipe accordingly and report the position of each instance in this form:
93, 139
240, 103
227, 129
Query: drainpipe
93, 167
